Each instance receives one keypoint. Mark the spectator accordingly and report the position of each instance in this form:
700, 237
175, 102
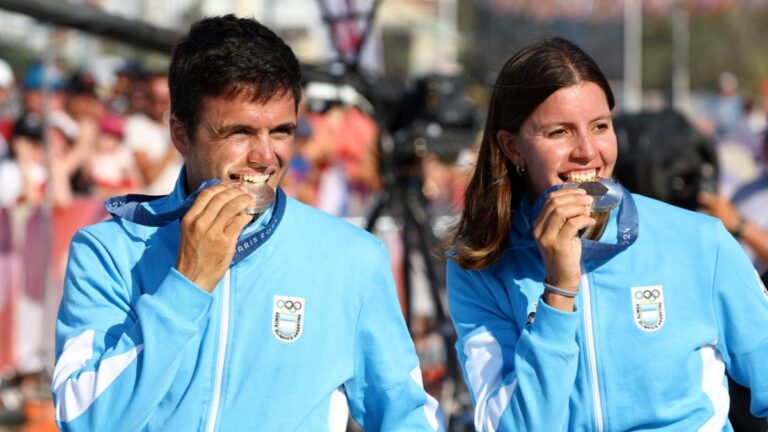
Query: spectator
7, 82
70, 141
126, 83
147, 136
35, 80
727, 108
111, 167
82, 100
84, 108
25, 173
746, 214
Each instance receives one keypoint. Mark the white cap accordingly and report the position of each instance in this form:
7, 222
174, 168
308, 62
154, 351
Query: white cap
6, 74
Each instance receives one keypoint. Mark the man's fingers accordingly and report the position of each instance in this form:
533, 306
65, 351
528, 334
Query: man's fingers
234, 207
236, 224
214, 202
205, 196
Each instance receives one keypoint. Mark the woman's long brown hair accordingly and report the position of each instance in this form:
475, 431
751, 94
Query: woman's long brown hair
495, 190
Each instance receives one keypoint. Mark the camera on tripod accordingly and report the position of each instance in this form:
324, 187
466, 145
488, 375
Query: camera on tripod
661, 155
436, 117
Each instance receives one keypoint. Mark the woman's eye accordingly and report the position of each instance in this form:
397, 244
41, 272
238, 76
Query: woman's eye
557, 133
602, 126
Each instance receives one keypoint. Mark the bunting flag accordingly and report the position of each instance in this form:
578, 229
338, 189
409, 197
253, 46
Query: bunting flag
574, 9
349, 23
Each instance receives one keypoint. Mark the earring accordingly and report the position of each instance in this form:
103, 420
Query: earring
520, 170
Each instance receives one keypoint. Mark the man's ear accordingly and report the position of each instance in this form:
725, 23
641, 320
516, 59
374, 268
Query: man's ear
508, 143
179, 136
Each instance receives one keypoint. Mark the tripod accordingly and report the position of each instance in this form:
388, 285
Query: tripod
401, 196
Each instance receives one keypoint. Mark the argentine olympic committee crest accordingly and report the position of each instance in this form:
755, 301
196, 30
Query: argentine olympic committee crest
648, 307
288, 317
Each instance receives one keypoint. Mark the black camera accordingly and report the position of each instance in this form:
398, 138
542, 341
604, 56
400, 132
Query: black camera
436, 117
661, 155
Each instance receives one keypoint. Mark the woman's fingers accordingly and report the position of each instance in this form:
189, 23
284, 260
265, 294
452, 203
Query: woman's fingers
565, 209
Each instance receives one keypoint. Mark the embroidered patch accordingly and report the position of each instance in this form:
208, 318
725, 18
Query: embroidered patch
648, 307
288, 317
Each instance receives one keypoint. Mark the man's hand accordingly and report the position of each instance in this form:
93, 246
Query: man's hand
209, 233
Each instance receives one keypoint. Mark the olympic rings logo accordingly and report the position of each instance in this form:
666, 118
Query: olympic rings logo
650, 295
289, 305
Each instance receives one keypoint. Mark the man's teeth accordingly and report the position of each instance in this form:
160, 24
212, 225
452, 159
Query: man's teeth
257, 179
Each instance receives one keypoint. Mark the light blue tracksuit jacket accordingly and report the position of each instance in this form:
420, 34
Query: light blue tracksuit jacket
301, 332
668, 302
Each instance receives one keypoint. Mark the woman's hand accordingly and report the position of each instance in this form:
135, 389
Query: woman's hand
565, 213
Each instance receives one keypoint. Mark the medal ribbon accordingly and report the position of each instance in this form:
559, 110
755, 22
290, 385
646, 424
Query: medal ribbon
626, 234
130, 207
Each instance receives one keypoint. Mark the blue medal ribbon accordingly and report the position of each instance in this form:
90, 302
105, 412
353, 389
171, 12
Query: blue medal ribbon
251, 242
626, 233
130, 207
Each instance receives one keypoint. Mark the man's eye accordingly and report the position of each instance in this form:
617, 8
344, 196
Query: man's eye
282, 133
237, 132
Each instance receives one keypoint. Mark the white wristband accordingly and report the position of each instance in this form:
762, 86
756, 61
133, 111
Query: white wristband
560, 291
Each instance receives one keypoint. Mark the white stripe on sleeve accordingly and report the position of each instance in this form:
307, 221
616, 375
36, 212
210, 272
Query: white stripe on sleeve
338, 411
712, 377
483, 366
75, 395
431, 406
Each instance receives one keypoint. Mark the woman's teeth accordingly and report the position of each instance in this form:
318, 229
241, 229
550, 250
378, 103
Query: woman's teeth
583, 176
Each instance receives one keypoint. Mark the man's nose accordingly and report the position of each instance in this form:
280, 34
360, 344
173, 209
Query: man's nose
261, 151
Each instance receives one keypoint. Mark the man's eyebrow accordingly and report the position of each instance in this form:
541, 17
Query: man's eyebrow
222, 130
285, 127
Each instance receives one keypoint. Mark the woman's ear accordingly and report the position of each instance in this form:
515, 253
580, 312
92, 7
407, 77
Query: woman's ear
508, 143
179, 136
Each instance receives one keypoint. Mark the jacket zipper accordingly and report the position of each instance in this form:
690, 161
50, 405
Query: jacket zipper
222, 351
587, 305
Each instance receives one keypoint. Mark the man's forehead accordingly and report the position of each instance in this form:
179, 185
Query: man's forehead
222, 112
254, 92
248, 98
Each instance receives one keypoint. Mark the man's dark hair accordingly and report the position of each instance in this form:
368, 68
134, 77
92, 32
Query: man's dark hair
229, 57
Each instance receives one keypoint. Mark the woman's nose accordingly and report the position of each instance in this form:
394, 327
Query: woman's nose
584, 148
